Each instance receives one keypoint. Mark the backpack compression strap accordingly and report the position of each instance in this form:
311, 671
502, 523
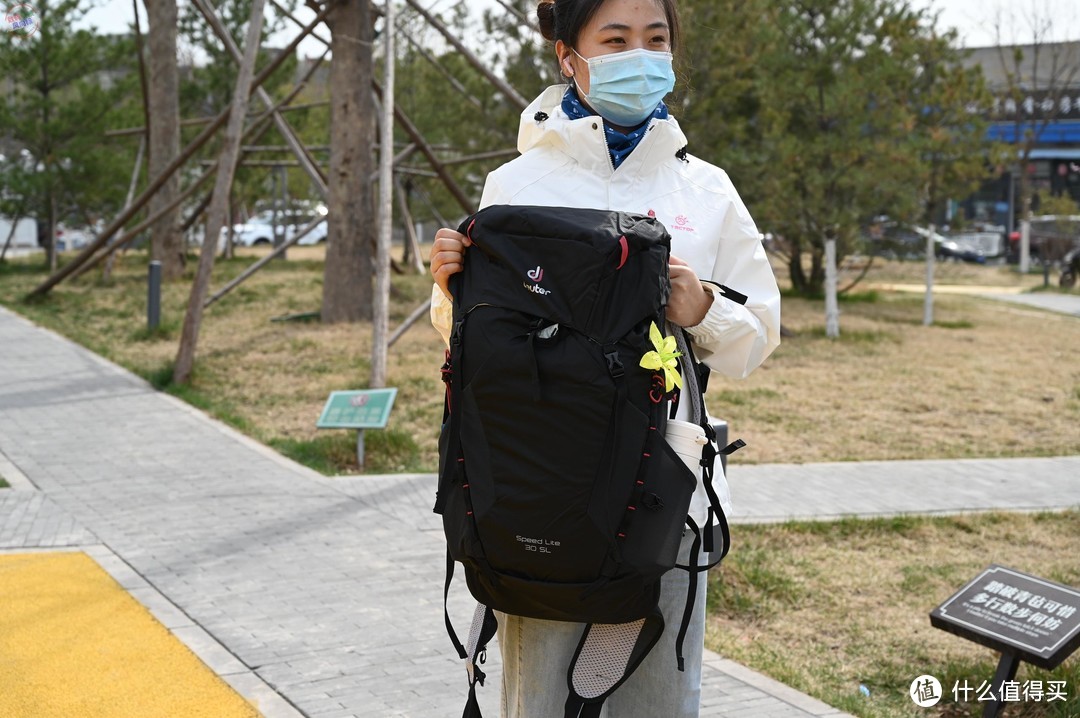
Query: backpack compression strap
715, 529
606, 656
708, 453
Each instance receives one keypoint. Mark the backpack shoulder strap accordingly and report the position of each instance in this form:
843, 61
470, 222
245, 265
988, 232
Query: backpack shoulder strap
606, 657
483, 629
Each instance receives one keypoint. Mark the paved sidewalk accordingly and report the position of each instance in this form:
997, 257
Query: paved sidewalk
322, 597
1050, 301
1060, 303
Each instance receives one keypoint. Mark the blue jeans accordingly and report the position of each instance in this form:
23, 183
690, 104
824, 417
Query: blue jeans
536, 655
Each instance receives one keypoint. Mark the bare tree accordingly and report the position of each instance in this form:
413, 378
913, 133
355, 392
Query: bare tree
348, 292
163, 103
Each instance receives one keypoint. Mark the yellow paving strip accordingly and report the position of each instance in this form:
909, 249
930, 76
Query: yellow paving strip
74, 644
946, 288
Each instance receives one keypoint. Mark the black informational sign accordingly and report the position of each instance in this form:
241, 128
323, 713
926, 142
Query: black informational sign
1035, 620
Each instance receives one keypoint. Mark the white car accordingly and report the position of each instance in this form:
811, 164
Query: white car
69, 238
259, 229
315, 236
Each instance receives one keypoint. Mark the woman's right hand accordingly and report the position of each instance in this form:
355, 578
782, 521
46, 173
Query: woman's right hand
447, 257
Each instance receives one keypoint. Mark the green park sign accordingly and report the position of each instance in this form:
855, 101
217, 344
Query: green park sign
364, 409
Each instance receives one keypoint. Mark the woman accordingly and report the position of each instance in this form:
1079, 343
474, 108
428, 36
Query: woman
606, 141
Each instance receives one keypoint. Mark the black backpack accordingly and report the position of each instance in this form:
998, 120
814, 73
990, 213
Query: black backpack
558, 492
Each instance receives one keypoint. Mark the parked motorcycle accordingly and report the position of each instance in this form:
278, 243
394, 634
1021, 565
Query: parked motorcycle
1070, 268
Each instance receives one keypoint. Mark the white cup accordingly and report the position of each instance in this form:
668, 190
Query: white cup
687, 439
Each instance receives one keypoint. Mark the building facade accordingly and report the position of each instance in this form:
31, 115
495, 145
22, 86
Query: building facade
1036, 108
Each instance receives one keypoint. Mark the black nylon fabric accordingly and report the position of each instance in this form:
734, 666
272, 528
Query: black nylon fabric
580, 253
552, 433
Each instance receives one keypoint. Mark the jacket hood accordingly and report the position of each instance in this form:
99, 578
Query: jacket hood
544, 124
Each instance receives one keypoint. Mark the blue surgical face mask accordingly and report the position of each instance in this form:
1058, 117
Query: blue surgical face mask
625, 87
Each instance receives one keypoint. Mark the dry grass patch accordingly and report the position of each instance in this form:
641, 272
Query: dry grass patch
825, 607
988, 380
949, 273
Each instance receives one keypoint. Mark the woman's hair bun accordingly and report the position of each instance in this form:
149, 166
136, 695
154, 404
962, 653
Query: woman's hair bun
545, 13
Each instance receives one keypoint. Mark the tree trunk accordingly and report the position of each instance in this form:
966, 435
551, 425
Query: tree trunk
832, 307
412, 256
1024, 193
47, 156
50, 230
106, 273
347, 280
163, 100
1024, 197
817, 271
15, 219
807, 285
381, 313
215, 215
928, 300
795, 269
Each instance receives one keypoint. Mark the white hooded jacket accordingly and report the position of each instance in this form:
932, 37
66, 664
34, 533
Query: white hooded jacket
566, 163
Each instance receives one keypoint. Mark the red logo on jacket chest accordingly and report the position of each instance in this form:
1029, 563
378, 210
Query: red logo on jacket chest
682, 224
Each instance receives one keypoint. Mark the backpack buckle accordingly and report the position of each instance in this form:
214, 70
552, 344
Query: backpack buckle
708, 454
447, 369
614, 364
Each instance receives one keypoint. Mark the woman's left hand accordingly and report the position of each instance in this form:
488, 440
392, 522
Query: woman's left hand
690, 301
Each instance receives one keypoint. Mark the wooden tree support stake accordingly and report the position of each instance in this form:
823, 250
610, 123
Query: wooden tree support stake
230, 153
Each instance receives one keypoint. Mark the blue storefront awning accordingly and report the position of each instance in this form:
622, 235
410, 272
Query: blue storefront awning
1062, 132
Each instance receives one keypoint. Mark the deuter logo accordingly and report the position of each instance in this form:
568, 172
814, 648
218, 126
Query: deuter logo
536, 275
536, 289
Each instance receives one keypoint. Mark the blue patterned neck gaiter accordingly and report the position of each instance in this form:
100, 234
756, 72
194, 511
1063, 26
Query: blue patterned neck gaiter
620, 144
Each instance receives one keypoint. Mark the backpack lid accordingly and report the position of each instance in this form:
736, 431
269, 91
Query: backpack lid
598, 271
